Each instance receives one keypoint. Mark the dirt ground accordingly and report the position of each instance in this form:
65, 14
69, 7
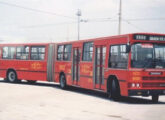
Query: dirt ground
45, 101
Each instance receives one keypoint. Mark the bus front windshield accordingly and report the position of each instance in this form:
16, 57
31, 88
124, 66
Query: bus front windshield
146, 55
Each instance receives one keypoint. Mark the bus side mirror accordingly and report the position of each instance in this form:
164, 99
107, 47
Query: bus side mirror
128, 48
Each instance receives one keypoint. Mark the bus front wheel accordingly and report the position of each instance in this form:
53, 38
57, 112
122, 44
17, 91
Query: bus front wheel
114, 92
63, 81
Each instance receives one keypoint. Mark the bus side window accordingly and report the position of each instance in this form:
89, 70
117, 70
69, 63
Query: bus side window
8, 53
22, 53
67, 52
37, 53
41, 53
118, 57
60, 52
88, 51
5, 52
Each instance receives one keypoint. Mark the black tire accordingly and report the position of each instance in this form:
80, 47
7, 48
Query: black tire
155, 98
63, 84
114, 92
31, 81
12, 76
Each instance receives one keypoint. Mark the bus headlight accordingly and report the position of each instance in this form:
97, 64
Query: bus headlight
133, 85
137, 85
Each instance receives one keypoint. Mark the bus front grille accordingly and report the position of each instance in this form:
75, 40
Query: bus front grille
146, 85
153, 78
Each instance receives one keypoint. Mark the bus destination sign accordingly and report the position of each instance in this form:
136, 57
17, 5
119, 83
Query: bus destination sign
149, 37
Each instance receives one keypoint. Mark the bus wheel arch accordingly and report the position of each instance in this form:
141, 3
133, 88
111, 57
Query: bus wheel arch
11, 75
113, 87
62, 80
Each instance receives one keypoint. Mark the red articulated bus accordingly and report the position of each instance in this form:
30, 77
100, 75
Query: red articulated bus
124, 65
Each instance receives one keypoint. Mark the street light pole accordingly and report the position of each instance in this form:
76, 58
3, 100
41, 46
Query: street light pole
120, 14
78, 23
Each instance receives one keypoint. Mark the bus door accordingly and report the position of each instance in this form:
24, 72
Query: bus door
99, 63
75, 66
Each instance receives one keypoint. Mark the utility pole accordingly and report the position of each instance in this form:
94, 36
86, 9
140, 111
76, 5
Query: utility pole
78, 23
120, 17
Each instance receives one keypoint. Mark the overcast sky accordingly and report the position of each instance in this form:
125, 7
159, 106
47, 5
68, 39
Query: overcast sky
56, 20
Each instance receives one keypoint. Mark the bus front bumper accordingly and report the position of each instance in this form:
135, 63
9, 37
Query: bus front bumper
145, 92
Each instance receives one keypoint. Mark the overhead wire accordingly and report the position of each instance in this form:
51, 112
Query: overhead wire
46, 25
135, 26
35, 10
138, 19
146, 19
128, 21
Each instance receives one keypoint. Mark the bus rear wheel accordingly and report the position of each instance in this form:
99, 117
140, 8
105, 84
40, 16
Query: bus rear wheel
114, 92
63, 81
155, 98
12, 76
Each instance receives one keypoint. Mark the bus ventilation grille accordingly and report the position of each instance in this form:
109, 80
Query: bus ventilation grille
145, 85
153, 78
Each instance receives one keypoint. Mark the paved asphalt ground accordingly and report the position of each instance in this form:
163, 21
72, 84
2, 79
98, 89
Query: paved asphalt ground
44, 101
